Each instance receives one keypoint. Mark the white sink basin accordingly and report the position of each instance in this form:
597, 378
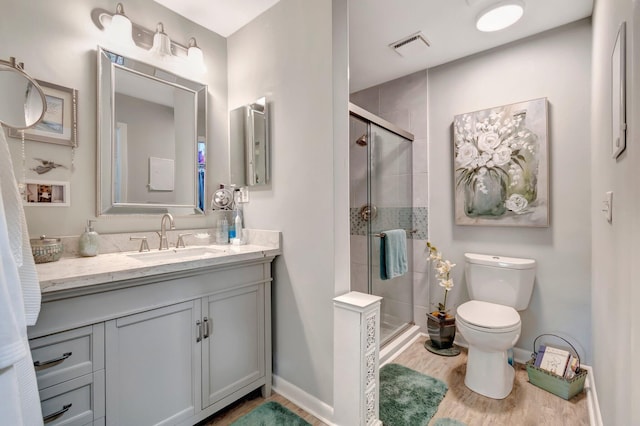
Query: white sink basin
176, 254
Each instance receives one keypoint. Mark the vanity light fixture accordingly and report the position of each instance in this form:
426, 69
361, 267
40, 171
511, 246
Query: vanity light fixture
120, 28
500, 15
161, 42
124, 33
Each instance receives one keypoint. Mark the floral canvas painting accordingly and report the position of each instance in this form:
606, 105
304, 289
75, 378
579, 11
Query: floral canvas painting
501, 165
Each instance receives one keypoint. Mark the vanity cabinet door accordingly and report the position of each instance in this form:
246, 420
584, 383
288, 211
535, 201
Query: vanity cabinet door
153, 366
233, 349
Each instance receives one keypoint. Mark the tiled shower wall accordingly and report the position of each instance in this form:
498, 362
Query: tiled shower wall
402, 102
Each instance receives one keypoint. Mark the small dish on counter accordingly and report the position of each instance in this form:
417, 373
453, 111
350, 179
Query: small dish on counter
46, 249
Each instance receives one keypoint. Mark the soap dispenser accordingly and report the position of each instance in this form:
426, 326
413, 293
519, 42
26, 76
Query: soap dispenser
88, 243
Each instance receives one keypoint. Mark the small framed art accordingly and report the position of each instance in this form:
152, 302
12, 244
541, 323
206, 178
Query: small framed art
59, 124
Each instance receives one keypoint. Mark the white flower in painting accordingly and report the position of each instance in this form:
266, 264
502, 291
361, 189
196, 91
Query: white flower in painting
466, 154
488, 141
516, 203
502, 155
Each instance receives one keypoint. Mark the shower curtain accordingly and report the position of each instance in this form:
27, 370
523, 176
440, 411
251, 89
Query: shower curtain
19, 304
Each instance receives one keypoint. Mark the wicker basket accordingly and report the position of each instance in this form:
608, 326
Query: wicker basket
557, 385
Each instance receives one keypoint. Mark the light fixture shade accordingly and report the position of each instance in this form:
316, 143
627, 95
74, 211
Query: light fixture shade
500, 16
194, 54
120, 28
161, 42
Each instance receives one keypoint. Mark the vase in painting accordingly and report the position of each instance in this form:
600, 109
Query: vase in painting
485, 197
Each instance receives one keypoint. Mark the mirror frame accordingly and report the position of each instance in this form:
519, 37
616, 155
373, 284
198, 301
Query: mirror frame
105, 204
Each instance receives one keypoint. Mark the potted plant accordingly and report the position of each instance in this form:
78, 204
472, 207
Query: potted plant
441, 326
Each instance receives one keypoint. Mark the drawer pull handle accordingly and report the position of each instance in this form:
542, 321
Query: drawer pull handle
199, 335
206, 327
47, 364
54, 416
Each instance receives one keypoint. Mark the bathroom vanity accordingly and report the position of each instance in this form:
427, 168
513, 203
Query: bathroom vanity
163, 337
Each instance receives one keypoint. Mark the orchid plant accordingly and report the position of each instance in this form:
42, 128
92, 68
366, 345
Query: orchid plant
443, 273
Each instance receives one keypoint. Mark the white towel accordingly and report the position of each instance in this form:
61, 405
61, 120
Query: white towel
19, 304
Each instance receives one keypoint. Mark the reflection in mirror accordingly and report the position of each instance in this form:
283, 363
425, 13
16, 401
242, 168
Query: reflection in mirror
249, 144
23, 102
152, 139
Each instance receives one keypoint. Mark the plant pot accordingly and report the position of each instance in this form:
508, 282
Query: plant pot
442, 329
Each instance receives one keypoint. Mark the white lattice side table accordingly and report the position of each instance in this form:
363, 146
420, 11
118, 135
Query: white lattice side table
356, 359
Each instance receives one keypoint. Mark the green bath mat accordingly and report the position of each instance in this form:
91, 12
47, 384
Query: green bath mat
270, 414
408, 398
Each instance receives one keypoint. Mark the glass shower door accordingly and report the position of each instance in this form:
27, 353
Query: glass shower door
389, 193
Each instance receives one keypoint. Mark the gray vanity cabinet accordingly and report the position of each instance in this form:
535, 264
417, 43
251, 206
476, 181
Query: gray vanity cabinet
233, 343
153, 365
158, 350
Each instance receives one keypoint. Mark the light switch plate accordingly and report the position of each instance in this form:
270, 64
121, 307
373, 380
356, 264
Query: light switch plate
607, 207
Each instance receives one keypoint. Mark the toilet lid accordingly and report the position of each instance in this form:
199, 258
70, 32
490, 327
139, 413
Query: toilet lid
488, 315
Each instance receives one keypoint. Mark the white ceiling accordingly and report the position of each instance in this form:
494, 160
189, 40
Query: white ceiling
220, 16
449, 25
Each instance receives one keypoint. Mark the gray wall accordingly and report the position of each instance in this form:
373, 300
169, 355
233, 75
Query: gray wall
58, 45
615, 255
556, 65
285, 55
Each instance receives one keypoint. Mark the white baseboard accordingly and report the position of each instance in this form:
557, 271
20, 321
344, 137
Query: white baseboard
399, 344
302, 399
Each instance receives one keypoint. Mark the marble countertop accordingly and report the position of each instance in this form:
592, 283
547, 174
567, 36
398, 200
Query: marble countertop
80, 272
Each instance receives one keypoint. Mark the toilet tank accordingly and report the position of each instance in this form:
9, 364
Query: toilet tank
498, 279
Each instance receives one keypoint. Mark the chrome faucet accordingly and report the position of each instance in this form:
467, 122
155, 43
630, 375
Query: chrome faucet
164, 243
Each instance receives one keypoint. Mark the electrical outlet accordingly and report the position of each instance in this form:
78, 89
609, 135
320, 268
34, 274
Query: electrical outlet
244, 194
607, 206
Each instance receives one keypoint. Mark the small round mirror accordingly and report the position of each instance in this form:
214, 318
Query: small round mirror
23, 103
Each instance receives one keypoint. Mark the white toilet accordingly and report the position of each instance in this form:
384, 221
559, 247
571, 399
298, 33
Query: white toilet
498, 287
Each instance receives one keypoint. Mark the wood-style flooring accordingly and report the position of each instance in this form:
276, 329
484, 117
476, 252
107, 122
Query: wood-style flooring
527, 405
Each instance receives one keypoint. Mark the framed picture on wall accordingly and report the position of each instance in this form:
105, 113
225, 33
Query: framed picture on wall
47, 193
501, 167
618, 93
59, 124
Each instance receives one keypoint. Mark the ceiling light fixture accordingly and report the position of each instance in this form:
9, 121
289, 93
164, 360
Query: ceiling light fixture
500, 16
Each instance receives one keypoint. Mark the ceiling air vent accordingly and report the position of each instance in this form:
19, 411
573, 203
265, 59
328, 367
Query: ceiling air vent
414, 44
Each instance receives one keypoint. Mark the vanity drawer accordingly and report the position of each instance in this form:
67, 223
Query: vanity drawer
67, 355
72, 403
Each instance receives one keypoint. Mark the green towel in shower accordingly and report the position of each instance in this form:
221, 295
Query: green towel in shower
393, 254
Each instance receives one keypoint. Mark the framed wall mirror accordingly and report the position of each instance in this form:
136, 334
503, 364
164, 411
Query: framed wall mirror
249, 145
151, 139
618, 93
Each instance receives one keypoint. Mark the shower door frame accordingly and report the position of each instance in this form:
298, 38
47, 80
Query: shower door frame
370, 118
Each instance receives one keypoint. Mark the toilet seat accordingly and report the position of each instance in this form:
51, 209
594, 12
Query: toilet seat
488, 317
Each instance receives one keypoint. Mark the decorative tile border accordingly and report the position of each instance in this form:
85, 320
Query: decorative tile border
393, 218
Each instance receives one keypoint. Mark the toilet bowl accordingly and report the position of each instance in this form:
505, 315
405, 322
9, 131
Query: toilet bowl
490, 330
499, 287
